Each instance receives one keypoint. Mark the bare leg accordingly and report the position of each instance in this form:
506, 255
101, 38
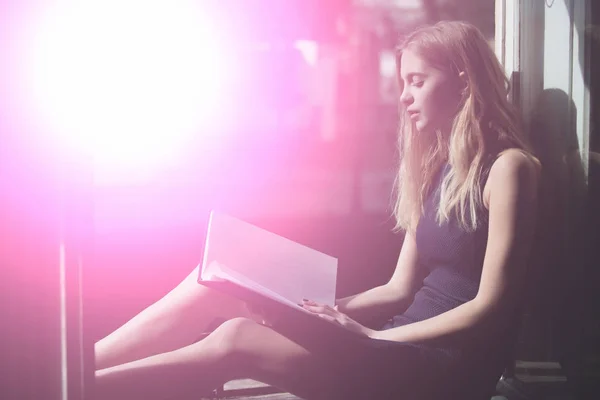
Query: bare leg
176, 320
238, 348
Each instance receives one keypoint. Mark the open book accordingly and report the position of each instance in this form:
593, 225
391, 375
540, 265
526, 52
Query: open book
260, 265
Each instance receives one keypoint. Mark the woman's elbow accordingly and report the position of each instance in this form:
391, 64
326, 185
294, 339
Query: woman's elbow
397, 296
488, 308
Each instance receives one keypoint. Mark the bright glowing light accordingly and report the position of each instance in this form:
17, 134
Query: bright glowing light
387, 64
129, 81
309, 50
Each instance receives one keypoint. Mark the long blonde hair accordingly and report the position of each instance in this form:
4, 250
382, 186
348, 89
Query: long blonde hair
485, 124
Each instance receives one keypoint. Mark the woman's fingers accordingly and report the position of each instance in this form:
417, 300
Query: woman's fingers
323, 310
334, 315
328, 317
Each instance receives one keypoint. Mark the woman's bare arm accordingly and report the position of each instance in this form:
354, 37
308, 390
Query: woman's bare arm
392, 297
512, 204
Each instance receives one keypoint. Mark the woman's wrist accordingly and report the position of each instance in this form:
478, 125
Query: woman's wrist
372, 333
341, 304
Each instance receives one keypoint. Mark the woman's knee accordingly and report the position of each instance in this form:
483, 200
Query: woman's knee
191, 300
234, 336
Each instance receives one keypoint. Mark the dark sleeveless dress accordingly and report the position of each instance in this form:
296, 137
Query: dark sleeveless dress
466, 366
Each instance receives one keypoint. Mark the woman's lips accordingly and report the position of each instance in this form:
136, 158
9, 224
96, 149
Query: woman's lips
413, 115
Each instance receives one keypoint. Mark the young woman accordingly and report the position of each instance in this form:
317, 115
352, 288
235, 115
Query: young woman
466, 200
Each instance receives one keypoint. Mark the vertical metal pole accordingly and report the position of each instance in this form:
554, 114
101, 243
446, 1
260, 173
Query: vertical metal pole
45, 229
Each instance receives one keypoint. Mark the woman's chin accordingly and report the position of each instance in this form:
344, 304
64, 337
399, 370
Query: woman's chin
421, 126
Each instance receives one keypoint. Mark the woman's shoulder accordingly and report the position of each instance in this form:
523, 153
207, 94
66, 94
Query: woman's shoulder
513, 168
516, 161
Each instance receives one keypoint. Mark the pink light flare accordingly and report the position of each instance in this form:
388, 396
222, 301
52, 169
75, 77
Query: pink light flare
130, 82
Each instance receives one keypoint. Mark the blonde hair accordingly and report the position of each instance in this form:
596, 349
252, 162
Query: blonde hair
484, 125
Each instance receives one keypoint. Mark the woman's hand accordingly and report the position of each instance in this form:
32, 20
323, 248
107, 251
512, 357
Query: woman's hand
332, 314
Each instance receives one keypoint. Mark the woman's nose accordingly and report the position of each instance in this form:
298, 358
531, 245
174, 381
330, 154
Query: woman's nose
405, 97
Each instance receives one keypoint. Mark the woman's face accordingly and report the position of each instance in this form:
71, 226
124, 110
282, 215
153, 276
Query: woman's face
429, 95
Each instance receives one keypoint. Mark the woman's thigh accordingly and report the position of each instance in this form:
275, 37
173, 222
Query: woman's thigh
196, 299
349, 368
258, 352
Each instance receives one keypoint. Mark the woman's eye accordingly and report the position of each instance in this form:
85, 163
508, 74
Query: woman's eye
417, 83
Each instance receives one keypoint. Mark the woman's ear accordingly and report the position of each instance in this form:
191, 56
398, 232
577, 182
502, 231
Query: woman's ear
462, 75
464, 84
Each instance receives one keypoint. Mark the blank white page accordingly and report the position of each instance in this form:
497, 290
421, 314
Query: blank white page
290, 269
